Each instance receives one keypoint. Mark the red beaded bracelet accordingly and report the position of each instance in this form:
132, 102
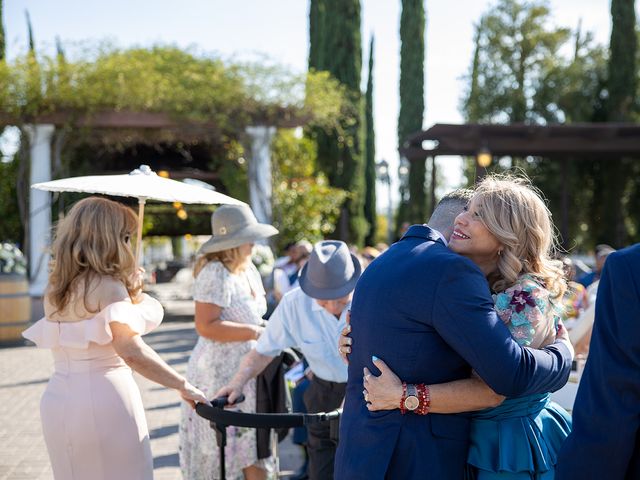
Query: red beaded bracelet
421, 398
403, 398
424, 395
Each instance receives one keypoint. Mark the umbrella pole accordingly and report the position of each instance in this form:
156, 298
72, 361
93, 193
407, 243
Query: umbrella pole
141, 202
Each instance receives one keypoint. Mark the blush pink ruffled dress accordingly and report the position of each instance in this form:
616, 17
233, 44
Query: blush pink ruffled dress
92, 414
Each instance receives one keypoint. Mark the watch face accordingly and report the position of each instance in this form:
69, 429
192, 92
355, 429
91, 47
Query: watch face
411, 402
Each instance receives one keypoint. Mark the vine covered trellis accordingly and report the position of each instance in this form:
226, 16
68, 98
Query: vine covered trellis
164, 102
163, 79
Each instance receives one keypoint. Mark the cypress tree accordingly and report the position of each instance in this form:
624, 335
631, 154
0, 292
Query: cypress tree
336, 47
3, 47
412, 24
32, 44
472, 103
370, 156
59, 50
622, 61
317, 10
2, 40
471, 107
622, 84
341, 42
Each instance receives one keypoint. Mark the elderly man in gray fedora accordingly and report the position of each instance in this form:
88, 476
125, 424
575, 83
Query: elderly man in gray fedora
310, 318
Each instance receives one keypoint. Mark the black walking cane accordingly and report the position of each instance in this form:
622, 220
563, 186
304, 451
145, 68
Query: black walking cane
220, 419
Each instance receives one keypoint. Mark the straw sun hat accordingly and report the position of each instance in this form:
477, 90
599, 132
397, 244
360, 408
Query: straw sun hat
235, 225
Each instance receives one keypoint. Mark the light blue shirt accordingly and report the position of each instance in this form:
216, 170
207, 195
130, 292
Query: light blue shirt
298, 321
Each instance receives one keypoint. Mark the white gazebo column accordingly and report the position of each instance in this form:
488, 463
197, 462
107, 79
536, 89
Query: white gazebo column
39, 207
260, 171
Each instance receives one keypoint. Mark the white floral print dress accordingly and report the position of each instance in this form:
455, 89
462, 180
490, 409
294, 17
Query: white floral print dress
212, 365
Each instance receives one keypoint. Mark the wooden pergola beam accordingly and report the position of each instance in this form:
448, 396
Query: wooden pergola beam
577, 140
105, 119
563, 142
114, 119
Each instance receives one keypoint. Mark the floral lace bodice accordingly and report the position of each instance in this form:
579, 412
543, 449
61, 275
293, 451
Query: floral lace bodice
528, 311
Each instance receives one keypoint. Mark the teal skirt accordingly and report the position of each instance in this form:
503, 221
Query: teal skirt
519, 439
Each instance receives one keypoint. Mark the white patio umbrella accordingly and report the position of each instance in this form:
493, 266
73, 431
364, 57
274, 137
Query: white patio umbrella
143, 184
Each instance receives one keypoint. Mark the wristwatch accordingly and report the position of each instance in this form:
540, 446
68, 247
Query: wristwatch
411, 401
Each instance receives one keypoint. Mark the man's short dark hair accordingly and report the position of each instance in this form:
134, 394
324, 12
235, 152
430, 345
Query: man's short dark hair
448, 209
457, 195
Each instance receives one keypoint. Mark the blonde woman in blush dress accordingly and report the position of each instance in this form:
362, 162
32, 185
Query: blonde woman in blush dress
230, 302
92, 414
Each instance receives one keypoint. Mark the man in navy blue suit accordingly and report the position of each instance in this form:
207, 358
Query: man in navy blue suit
605, 441
428, 313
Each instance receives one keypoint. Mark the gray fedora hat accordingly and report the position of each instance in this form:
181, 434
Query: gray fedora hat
234, 225
331, 272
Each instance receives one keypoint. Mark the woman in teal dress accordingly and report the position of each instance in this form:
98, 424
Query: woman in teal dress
507, 231
520, 438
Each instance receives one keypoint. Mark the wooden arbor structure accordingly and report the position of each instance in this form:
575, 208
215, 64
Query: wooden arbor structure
563, 143
41, 129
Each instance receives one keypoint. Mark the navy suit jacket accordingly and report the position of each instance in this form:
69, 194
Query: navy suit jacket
428, 313
605, 441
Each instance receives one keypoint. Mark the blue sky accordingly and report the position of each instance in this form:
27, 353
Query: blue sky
278, 28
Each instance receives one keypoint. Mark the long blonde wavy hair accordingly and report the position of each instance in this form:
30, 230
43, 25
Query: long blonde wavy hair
515, 213
91, 240
230, 258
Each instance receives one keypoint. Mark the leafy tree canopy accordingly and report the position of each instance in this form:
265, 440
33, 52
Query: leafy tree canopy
184, 84
514, 45
525, 69
304, 205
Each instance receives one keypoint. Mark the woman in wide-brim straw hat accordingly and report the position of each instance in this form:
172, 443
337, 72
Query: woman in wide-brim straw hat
230, 302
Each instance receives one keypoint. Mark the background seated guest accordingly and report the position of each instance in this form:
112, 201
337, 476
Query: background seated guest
368, 255
575, 298
602, 251
581, 329
310, 318
285, 278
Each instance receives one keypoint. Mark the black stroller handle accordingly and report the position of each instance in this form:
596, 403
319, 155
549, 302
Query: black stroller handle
222, 402
221, 416
220, 419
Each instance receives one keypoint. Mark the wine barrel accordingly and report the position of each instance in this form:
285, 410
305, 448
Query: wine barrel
15, 307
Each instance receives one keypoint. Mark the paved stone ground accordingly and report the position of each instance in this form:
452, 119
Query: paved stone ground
24, 372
